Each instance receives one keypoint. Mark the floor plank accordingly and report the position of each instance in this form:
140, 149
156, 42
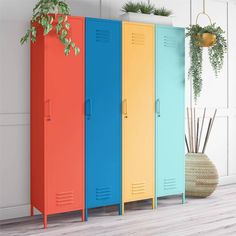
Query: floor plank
213, 216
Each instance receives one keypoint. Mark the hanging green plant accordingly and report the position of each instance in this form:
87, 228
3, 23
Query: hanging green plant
51, 14
212, 37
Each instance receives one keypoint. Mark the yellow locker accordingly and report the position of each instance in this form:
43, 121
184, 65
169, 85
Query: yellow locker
138, 108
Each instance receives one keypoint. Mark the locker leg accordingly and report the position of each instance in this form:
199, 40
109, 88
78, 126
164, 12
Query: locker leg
154, 204
31, 210
86, 214
83, 215
45, 221
183, 198
120, 209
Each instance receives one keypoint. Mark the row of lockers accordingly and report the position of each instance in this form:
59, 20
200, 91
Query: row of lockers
107, 126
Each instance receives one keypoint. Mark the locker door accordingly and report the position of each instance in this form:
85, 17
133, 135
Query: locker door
103, 112
138, 111
170, 110
64, 122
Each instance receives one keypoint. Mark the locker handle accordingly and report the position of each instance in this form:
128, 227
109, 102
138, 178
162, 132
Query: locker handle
158, 107
88, 108
125, 108
48, 110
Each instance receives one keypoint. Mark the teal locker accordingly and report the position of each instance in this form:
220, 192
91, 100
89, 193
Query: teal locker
170, 74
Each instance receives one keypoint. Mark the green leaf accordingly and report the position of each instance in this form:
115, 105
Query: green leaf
58, 28
77, 50
37, 6
44, 21
47, 29
64, 33
66, 41
64, 8
33, 39
34, 32
60, 19
24, 38
67, 50
67, 25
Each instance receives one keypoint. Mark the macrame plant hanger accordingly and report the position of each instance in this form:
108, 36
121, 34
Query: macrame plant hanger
203, 13
207, 39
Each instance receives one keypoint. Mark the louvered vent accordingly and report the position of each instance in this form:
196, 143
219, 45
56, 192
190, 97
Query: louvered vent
137, 39
169, 42
65, 198
138, 188
103, 193
169, 184
102, 36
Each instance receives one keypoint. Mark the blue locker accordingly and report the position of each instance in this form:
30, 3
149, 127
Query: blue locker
103, 113
170, 76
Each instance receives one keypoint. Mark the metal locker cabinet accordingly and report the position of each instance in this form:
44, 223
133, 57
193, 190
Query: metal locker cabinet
57, 123
103, 113
138, 153
170, 74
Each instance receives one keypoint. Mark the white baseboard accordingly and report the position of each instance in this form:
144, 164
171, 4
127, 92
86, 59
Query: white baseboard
16, 212
227, 180
24, 210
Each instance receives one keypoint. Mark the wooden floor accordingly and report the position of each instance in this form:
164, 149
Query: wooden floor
213, 216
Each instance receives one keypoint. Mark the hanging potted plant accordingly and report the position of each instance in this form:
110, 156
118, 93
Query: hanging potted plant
51, 15
211, 37
146, 12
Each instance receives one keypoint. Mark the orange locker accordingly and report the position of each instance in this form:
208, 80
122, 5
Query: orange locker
57, 123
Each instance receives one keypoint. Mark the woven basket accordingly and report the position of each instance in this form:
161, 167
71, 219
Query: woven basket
200, 175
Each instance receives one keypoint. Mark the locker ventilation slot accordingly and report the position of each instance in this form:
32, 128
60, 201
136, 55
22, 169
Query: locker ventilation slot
103, 193
102, 36
169, 42
169, 184
137, 39
64, 198
138, 188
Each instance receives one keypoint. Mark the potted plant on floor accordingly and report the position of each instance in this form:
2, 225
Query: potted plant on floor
211, 37
201, 176
147, 13
51, 15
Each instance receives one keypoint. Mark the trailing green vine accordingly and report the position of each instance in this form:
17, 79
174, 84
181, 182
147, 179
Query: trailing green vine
195, 70
52, 14
215, 53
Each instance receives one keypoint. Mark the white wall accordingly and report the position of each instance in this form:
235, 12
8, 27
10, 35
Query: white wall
15, 81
